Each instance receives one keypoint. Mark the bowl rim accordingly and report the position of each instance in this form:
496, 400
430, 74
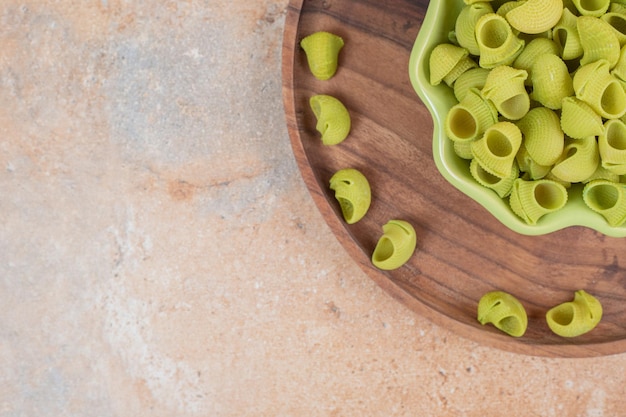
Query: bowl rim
434, 30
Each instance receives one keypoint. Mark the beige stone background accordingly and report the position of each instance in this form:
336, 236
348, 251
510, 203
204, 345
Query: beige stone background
160, 254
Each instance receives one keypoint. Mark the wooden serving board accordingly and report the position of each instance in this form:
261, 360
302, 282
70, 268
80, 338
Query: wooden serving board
462, 251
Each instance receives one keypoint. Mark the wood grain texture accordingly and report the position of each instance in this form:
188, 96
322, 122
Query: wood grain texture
463, 252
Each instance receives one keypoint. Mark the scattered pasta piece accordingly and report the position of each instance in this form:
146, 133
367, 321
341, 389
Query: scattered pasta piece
353, 192
504, 311
322, 52
576, 317
333, 119
396, 245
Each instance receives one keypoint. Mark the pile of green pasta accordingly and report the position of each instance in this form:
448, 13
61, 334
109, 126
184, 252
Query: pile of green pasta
541, 91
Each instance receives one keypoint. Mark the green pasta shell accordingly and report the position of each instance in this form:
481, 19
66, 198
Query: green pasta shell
543, 136
472, 78
470, 118
577, 317
532, 51
443, 59
495, 151
535, 16
504, 311
497, 43
595, 8
333, 119
352, 191
396, 245
502, 186
466, 23
565, 35
531, 200
505, 88
579, 120
322, 52
608, 199
618, 22
597, 40
551, 81
579, 160
612, 146
594, 85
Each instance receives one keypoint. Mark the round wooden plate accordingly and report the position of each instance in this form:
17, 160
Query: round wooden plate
462, 251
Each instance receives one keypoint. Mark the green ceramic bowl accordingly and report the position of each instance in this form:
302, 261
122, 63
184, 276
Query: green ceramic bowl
438, 22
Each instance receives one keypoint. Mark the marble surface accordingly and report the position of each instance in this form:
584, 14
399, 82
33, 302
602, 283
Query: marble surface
160, 254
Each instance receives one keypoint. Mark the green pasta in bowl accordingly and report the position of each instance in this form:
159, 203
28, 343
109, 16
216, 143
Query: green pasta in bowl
488, 80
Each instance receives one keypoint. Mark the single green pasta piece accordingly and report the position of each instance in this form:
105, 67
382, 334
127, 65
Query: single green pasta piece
551, 81
443, 59
565, 35
495, 151
322, 52
333, 119
505, 88
353, 192
612, 146
595, 8
470, 118
497, 43
597, 40
579, 160
535, 16
543, 136
579, 120
504, 311
396, 246
502, 186
466, 23
531, 200
577, 317
608, 199
594, 85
